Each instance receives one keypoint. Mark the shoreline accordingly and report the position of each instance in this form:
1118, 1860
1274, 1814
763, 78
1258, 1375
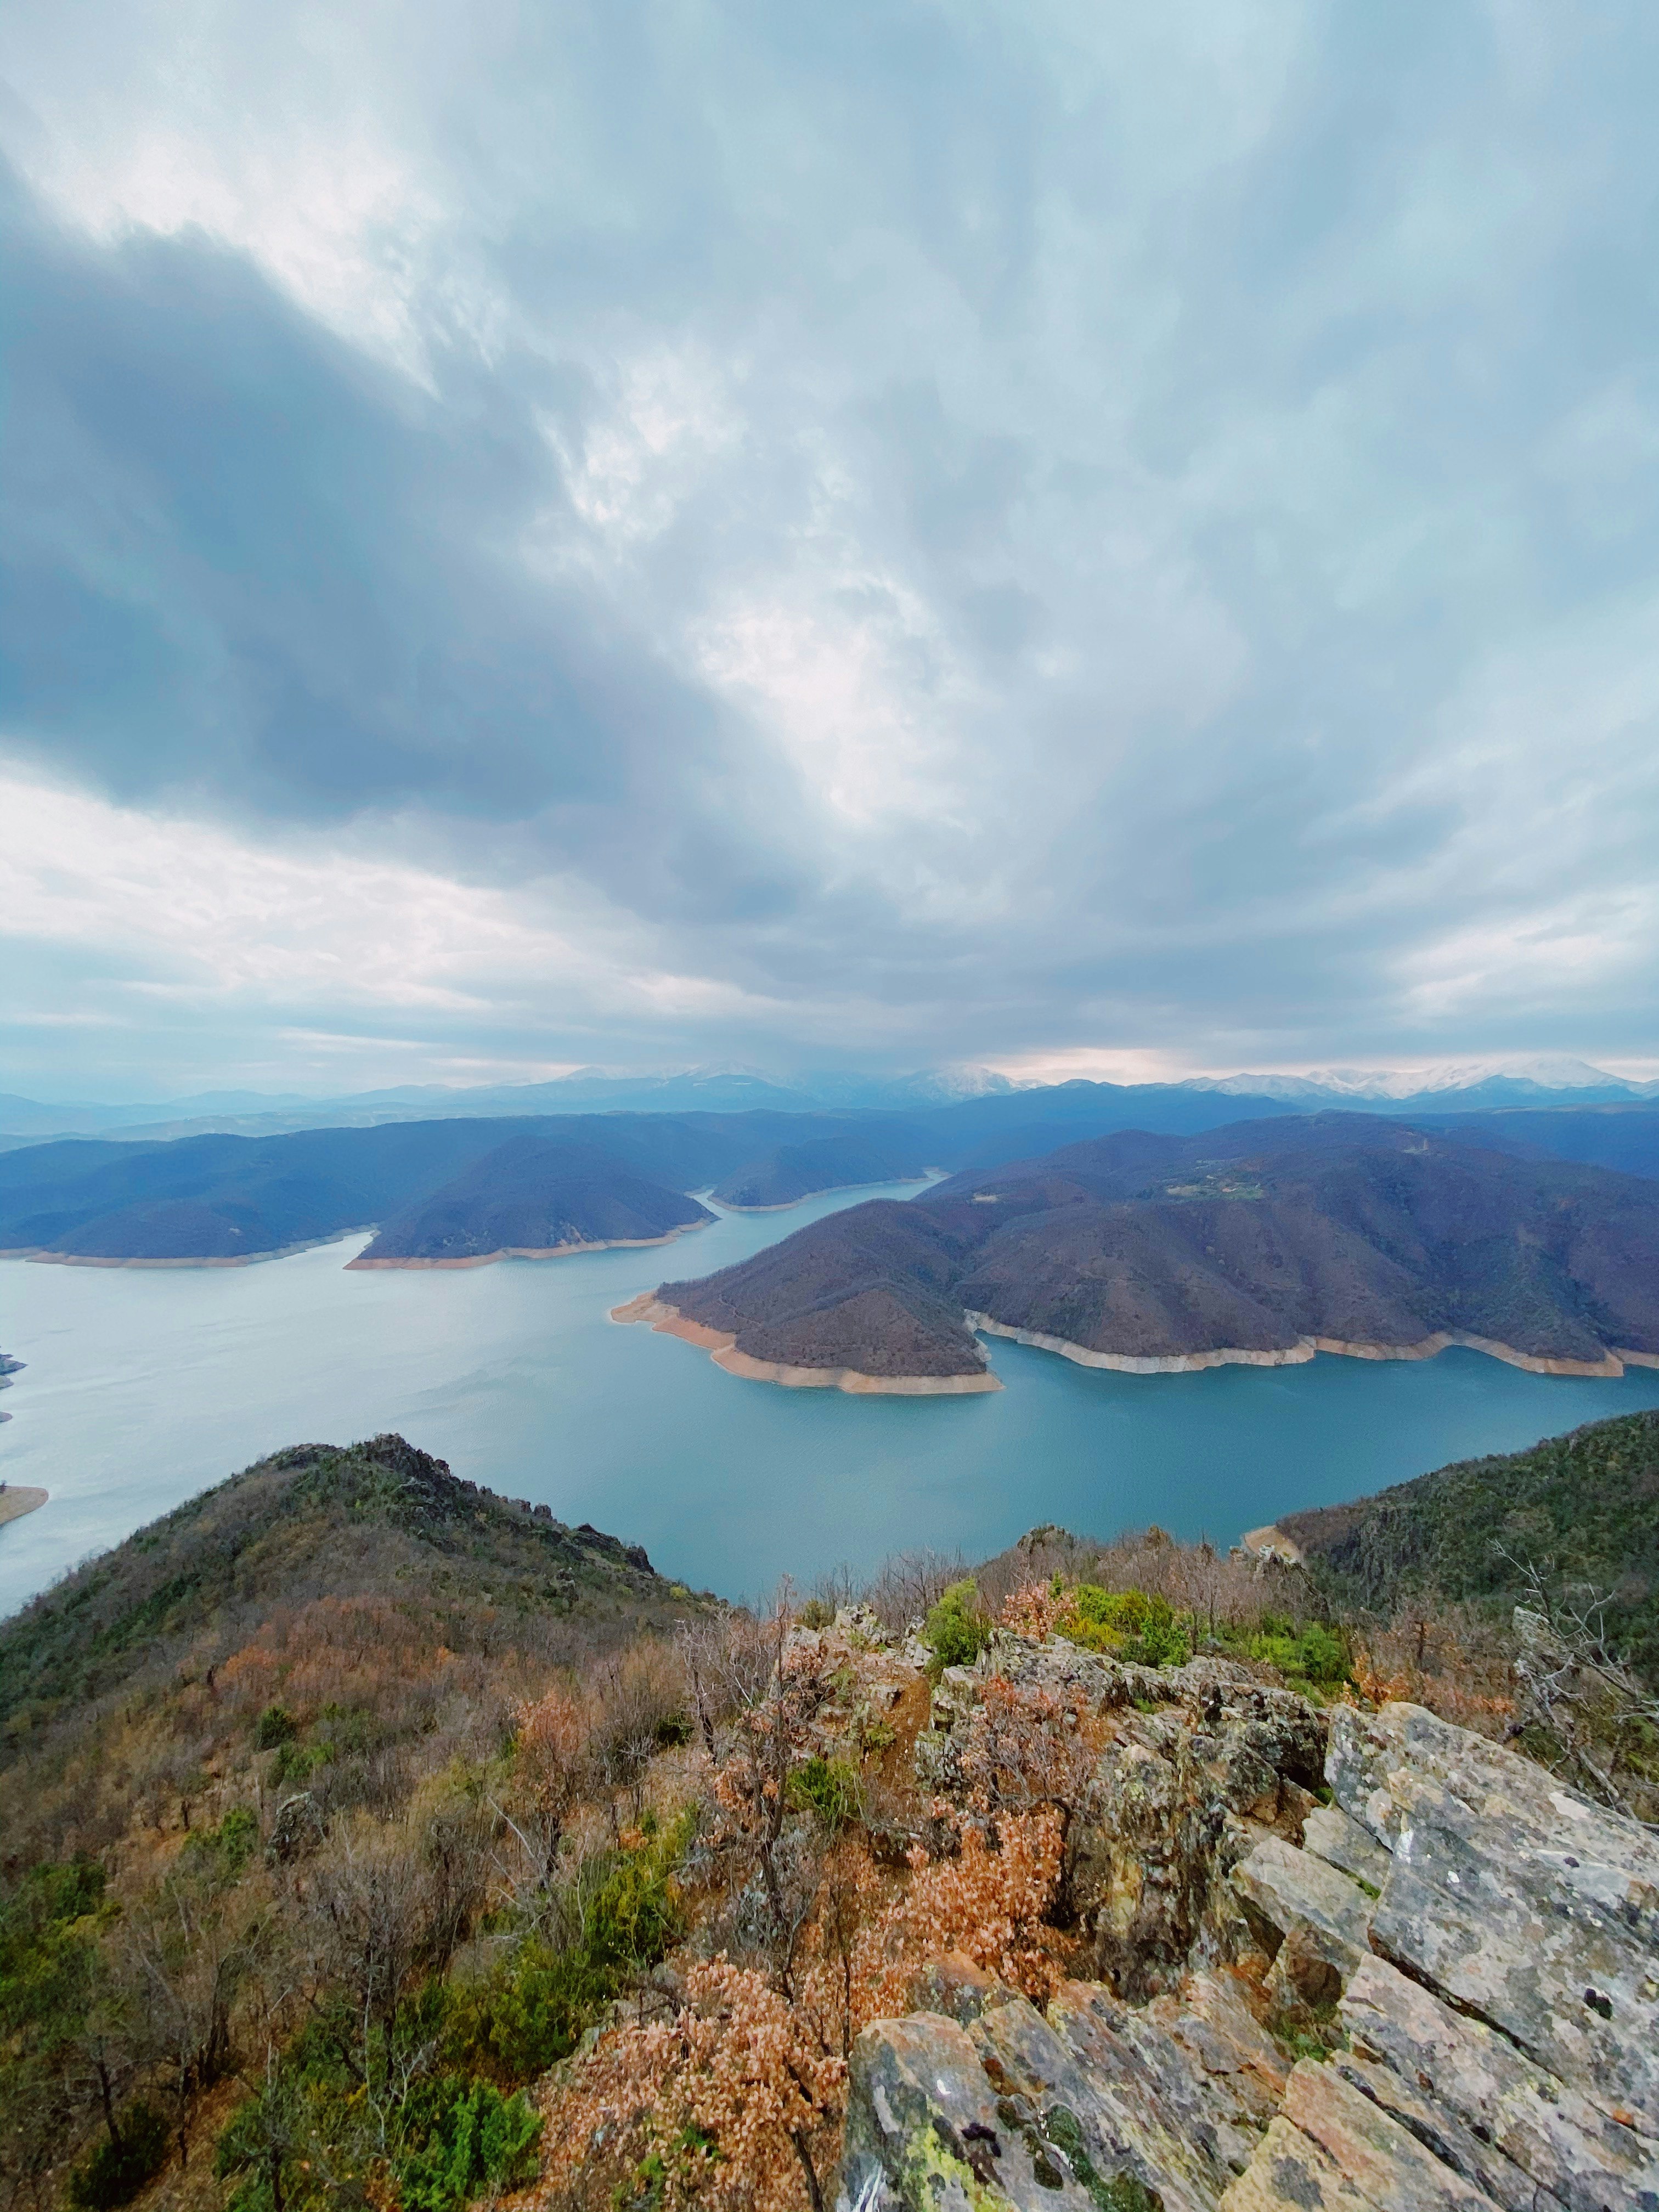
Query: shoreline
721, 1347
1274, 1540
15, 1503
783, 1205
38, 1258
1608, 1369
535, 1252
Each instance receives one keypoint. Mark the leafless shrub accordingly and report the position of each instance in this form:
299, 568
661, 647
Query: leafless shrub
1579, 1706
908, 1584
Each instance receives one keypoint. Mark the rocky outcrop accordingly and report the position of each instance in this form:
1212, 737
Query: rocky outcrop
1438, 1989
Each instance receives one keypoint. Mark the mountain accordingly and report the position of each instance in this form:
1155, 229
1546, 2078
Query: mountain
317, 1527
1625, 1136
532, 1198
1255, 1243
223, 1198
1465, 1087
1582, 1508
226, 1199
1553, 1079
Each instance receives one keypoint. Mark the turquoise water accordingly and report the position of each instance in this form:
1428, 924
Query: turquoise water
144, 1386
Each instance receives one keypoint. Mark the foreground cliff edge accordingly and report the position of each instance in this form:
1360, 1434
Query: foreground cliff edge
1474, 1951
974, 1893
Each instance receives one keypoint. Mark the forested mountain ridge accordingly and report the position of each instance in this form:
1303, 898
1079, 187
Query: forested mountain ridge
1261, 1241
317, 1524
1582, 1509
231, 1198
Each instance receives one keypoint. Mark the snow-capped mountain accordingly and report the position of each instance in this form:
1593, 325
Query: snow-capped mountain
1549, 1074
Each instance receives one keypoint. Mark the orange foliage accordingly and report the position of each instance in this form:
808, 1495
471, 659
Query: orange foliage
744, 2081
1032, 1611
723, 2100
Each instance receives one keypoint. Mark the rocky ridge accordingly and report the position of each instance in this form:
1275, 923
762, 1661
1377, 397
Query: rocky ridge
1343, 1961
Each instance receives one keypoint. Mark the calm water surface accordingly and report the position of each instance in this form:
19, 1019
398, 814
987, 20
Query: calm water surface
143, 1386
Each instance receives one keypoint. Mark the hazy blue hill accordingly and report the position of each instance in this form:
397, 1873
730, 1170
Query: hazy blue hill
216, 1197
1624, 1137
536, 1194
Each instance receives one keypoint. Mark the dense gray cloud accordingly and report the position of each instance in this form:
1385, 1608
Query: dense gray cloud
906, 532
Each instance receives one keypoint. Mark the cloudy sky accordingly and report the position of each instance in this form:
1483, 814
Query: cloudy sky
1062, 533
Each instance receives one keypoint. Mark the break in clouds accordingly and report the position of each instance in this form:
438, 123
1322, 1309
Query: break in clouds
901, 533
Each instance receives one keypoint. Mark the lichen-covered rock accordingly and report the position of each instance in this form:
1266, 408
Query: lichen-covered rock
1304, 1902
924, 2131
1477, 1948
1098, 2103
1517, 1900
1201, 1761
1483, 2090
1337, 1838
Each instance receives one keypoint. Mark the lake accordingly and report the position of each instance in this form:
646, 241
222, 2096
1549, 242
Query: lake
144, 1386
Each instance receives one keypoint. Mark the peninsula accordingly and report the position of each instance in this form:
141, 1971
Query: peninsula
533, 1198
1260, 1244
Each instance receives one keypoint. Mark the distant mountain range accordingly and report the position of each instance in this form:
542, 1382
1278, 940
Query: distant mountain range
453, 1190
1335, 1232
1465, 1086
466, 1189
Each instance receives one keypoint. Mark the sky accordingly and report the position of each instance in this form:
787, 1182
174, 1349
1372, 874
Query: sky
1096, 537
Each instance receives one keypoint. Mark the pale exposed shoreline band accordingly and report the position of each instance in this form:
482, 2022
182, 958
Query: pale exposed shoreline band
18, 1498
720, 1345
34, 1254
538, 1252
1306, 1348
667, 1320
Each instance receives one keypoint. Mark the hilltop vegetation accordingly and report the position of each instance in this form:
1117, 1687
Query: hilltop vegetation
1581, 1510
369, 1841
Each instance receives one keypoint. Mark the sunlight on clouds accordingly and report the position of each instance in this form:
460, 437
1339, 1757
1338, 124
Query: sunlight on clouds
196, 918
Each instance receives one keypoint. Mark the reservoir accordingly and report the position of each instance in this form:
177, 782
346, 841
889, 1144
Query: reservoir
143, 1386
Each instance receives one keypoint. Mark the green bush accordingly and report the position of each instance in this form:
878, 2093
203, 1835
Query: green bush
475, 2140
295, 1763
1130, 1622
274, 1726
546, 1996
816, 1614
229, 1846
1315, 1654
116, 2172
828, 1786
957, 1630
